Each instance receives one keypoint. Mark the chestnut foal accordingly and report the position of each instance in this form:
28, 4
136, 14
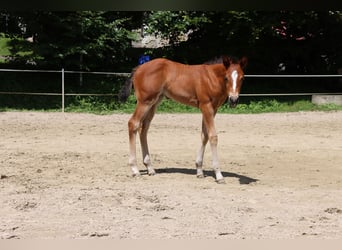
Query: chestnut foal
205, 86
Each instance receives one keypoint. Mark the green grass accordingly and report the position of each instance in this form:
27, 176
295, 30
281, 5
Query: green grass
253, 107
94, 105
4, 49
98, 105
268, 106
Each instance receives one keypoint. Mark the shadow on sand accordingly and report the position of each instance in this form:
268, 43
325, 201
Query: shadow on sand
243, 180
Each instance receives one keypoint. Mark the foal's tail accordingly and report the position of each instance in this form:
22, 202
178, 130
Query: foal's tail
125, 91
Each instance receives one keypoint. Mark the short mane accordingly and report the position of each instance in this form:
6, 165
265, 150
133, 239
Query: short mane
219, 59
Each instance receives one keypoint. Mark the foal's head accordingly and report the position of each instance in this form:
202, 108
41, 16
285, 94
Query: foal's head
234, 76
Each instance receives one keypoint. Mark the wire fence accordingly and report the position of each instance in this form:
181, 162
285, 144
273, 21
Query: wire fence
63, 72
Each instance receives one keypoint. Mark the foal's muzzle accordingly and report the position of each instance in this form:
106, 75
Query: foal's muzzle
233, 101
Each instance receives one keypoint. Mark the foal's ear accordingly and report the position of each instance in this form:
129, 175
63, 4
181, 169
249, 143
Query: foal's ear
226, 61
243, 62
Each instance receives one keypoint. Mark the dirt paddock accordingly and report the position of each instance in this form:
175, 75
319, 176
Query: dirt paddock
65, 176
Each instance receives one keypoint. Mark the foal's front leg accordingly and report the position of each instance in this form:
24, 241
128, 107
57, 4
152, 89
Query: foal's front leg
208, 118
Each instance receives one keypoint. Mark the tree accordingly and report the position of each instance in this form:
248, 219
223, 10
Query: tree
172, 25
307, 42
64, 39
303, 41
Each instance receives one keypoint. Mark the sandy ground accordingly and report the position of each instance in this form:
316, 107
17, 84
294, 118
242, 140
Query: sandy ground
65, 176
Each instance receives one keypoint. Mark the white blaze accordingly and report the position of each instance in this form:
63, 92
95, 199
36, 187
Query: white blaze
234, 77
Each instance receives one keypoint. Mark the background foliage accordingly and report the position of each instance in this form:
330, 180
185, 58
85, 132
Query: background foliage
277, 42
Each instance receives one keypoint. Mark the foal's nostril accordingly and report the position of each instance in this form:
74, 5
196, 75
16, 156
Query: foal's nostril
233, 101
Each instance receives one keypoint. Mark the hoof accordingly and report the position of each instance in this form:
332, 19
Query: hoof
200, 176
152, 173
136, 175
220, 181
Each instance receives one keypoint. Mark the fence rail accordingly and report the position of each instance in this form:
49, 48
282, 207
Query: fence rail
66, 71
292, 76
63, 94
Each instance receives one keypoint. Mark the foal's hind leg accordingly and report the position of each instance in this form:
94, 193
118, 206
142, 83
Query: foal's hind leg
134, 124
143, 139
200, 154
